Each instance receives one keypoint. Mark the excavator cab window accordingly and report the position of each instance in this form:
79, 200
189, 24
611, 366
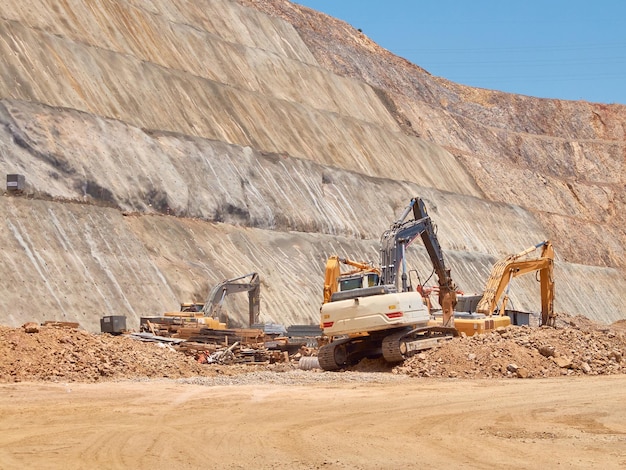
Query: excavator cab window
373, 279
358, 281
354, 282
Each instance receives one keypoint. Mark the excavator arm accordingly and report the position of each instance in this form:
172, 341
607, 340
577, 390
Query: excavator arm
232, 286
447, 287
512, 266
393, 246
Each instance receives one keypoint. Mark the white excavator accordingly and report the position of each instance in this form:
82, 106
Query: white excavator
373, 311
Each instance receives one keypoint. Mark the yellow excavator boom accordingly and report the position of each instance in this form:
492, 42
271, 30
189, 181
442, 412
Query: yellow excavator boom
512, 266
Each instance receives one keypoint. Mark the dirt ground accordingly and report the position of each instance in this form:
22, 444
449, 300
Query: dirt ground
517, 398
312, 420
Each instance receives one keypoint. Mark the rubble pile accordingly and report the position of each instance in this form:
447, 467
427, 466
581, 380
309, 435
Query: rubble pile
48, 353
576, 347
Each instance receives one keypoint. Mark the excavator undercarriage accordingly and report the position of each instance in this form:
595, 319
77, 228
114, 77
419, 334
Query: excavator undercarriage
393, 345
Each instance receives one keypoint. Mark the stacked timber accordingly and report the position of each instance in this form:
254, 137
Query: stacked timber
229, 336
179, 324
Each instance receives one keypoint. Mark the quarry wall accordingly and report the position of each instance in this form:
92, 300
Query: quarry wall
168, 145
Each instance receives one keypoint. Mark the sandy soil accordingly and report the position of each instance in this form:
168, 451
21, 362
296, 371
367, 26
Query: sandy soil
309, 419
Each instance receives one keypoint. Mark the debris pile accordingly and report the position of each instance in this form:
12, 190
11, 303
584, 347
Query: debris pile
61, 352
577, 347
49, 353
235, 351
265, 344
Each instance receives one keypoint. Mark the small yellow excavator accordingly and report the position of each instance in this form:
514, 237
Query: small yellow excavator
363, 275
250, 283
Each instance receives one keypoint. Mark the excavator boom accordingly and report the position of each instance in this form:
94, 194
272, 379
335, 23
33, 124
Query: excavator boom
513, 266
232, 286
392, 253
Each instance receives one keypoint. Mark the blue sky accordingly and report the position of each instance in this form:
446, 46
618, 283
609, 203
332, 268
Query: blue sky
566, 49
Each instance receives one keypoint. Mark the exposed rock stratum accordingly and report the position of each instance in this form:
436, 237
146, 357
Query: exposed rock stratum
168, 145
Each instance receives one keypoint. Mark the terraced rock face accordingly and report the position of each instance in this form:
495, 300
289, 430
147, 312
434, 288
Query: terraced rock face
168, 145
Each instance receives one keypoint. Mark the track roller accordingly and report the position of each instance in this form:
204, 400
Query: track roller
401, 345
349, 351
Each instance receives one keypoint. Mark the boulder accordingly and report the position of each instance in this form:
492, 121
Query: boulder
31, 327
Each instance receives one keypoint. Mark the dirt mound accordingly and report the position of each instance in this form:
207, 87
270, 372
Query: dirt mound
72, 355
619, 325
578, 346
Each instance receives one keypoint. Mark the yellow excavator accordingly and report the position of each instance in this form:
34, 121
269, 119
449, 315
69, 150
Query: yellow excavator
209, 312
250, 283
517, 265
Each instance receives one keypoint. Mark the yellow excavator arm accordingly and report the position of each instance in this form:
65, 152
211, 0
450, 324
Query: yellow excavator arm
512, 266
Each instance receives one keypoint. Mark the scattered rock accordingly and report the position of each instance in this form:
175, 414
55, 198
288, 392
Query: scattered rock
73, 355
55, 354
547, 351
523, 351
563, 362
31, 327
